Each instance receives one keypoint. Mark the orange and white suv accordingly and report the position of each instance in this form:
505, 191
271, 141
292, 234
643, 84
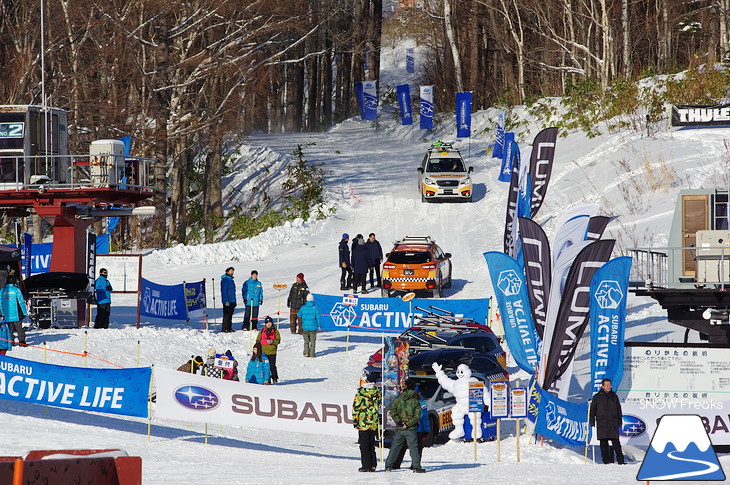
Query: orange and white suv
416, 263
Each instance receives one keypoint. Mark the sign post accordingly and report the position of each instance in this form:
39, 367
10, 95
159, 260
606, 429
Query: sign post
279, 287
348, 300
518, 409
499, 408
476, 405
409, 297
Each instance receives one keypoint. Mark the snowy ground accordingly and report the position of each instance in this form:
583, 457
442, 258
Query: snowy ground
372, 185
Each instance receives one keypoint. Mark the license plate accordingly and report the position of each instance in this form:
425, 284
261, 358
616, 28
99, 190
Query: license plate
448, 191
408, 271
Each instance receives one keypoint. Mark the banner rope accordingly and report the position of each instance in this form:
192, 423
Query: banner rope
77, 354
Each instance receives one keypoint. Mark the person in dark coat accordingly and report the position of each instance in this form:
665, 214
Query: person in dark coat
605, 414
376, 257
346, 275
360, 263
228, 299
297, 298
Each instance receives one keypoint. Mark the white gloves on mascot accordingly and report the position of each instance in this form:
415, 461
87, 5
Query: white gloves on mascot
459, 387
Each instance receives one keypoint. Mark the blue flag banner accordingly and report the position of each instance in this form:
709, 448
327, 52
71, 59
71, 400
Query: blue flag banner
113, 391
562, 421
510, 290
27, 254
40, 258
195, 296
160, 301
127, 140
609, 291
426, 108
497, 151
102, 244
463, 115
390, 314
410, 61
404, 103
369, 101
505, 172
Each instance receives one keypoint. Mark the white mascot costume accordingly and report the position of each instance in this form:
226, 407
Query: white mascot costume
459, 387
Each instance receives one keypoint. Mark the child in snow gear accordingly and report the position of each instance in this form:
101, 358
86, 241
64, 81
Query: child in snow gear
376, 257
346, 275
406, 412
270, 338
297, 297
605, 414
103, 299
192, 366
311, 320
258, 370
228, 298
253, 296
13, 308
365, 419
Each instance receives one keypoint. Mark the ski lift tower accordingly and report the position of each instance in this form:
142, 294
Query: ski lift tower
70, 192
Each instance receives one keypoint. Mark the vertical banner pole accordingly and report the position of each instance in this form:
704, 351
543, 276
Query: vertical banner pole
474, 434
347, 344
499, 439
278, 310
149, 406
588, 432
382, 398
139, 289
212, 281
517, 434
139, 348
45, 361
206, 433
86, 345
185, 295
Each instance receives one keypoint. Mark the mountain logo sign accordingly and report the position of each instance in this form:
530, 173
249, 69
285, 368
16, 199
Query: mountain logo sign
680, 450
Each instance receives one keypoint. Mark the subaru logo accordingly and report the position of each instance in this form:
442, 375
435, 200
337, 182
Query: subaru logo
509, 282
608, 294
197, 398
632, 426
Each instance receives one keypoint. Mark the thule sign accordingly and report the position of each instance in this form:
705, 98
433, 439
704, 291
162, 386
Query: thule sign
686, 115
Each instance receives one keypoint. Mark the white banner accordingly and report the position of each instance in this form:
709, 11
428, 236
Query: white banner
125, 271
189, 397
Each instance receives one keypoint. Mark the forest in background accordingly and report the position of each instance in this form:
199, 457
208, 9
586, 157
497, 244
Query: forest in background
187, 80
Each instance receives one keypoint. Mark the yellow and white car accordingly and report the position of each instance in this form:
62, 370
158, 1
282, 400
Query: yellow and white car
444, 175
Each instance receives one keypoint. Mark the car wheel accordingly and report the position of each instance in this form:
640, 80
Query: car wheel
448, 284
423, 196
385, 293
433, 432
437, 291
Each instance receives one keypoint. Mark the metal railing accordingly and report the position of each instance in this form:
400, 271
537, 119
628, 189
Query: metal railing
664, 267
42, 172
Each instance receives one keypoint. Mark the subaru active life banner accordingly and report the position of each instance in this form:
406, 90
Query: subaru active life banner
514, 306
113, 391
161, 301
390, 314
369, 101
560, 420
190, 397
609, 291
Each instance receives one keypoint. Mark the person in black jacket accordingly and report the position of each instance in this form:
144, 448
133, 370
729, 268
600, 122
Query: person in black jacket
297, 298
605, 414
346, 275
376, 257
360, 263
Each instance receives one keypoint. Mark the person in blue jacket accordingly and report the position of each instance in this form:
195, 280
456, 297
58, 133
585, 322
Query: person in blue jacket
228, 299
311, 320
12, 306
103, 299
346, 274
253, 296
258, 370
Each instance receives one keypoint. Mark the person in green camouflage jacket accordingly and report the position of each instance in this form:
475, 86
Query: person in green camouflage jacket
406, 412
365, 418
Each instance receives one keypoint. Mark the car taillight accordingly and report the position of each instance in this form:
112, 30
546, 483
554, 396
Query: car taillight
428, 266
387, 285
389, 266
430, 285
